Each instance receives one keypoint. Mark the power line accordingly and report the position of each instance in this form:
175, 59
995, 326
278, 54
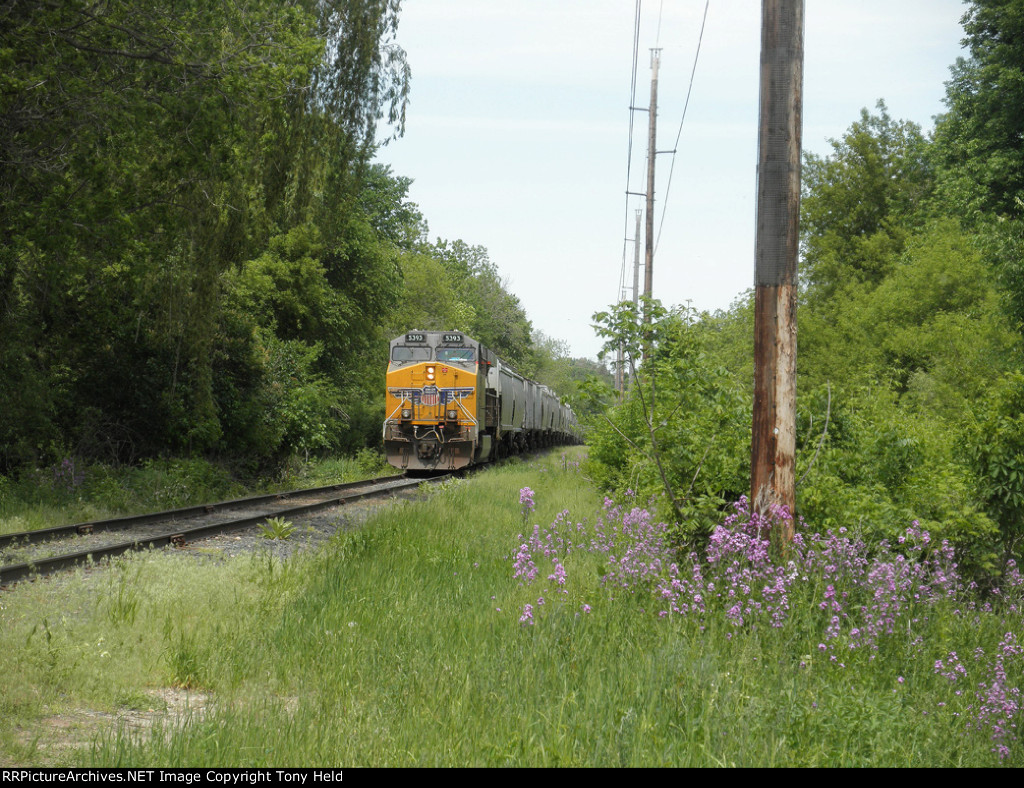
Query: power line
675, 148
629, 159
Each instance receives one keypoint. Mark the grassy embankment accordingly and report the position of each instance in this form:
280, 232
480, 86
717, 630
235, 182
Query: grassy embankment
408, 643
70, 492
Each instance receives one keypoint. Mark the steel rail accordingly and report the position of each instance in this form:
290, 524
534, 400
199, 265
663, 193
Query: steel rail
179, 537
118, 523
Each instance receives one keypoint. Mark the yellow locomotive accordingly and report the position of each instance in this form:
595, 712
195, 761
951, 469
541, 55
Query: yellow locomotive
451, 403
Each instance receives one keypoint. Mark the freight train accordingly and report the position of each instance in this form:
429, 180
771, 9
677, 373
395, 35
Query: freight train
452, 403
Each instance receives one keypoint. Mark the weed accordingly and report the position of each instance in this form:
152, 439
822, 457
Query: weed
184, 656
58, 659
139, 701
125, 594
277, 528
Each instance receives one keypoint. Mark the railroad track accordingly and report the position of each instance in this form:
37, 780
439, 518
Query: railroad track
93, 541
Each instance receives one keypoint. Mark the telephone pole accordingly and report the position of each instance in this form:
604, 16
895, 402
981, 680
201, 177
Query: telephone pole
652, 153
773, 453
620, 374
636, 262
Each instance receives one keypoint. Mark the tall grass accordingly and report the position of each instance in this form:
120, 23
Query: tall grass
407, 643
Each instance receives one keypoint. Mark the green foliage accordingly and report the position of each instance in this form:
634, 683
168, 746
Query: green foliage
904, 323
882, 467
979, 139
592, 399
906, 352
277, 528
124, 599
172, 483
161, 212
881, 159
577, 381
148, 148
383, 200
185, 656
682, 432
943, 344
727, 336
286, 288
497, 319
996, 450
932, 329
978, 143
1000, 240
859, 202
297, 341
428, 299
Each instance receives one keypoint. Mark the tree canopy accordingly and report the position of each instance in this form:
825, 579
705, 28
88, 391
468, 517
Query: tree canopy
199, 254
147, 152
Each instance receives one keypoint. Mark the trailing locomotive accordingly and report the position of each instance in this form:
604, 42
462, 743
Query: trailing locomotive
452, 403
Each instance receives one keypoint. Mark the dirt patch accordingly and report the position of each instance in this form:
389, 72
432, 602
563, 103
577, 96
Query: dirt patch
56, 738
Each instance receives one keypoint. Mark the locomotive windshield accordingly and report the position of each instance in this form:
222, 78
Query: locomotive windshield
399, 353
456, 355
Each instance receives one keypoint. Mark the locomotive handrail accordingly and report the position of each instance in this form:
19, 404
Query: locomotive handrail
388, 420
468, 414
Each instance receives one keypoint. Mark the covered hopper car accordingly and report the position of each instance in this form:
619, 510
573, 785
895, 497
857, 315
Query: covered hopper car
451, 403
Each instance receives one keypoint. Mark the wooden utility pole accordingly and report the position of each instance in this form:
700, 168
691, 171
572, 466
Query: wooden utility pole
652, 153
773, 455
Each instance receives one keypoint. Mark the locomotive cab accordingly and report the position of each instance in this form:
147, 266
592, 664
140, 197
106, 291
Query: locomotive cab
434, 401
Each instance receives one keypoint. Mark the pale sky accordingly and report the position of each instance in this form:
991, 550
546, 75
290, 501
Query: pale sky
517, 132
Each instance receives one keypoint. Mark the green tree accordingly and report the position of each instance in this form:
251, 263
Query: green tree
932, 331
860, 202
980, 140
383, 199
498, 319
584, 384
995, 445
682, 432
428, 299
145, 149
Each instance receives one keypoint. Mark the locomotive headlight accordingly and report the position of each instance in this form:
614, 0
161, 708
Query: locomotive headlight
406, 413
453, 415
430, 373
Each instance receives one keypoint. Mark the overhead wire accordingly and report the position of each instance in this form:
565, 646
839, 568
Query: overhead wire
629, 159
675, 148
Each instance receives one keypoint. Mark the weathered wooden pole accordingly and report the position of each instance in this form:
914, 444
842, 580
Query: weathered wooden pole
773, 454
